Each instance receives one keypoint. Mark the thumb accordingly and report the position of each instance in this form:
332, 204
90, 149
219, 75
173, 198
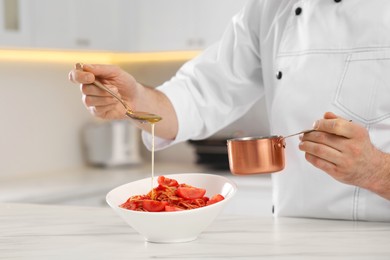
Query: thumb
101, 70
333, 124
330, 115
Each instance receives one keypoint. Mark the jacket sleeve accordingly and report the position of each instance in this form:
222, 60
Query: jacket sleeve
221, 84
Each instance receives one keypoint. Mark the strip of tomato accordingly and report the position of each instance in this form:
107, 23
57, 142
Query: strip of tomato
190, 193
167, 181
154, 205
132, 205
214, 199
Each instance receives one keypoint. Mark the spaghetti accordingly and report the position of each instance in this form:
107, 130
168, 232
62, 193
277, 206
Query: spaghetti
169, 195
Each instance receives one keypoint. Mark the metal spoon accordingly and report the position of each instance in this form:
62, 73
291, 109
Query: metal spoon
302, 132
137, 115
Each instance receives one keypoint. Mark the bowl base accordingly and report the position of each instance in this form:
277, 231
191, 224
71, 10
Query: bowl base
168, 241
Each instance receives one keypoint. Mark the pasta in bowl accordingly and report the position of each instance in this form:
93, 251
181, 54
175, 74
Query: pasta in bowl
182, 210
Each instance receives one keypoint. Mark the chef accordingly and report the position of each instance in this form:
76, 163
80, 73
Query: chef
318, 63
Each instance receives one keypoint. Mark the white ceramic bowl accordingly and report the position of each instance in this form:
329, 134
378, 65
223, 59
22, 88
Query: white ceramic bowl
178, 226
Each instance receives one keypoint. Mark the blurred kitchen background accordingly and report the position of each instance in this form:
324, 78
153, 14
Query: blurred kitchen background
52, 150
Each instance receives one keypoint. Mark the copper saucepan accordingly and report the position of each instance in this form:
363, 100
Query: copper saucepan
254, 155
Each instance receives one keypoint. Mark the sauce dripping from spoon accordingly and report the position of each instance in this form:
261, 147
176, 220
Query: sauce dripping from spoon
143, 117
152, 179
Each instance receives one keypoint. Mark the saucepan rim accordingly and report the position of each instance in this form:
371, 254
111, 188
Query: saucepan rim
250, 138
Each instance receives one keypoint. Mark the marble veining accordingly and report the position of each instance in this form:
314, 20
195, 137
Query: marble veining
29, 231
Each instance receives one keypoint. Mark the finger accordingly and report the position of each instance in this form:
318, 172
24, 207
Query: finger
337, 126
83, 77
321, 151
99, 101
335, 141
92, 90
70, 77
103, 111
108, 111
320, 163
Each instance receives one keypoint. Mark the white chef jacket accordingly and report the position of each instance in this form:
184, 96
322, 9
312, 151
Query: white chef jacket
305, 57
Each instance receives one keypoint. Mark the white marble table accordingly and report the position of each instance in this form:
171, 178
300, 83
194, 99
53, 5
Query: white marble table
29, 231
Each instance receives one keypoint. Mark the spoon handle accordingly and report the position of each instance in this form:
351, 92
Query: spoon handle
101, 86
302, 132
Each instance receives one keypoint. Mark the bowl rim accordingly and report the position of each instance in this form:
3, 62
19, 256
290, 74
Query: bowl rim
231, 195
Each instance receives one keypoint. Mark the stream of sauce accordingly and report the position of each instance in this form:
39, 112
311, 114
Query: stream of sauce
152, 120
152, 179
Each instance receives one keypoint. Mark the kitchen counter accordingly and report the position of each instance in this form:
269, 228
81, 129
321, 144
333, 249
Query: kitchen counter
69, 232
88, 186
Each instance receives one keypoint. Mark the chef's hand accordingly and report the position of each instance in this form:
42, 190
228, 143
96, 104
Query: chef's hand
343, 150
138, 97
99, 102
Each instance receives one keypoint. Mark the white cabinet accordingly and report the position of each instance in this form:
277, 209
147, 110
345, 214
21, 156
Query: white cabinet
162, 24
182, 24
50, 24
115, 25
74, 24
15, 30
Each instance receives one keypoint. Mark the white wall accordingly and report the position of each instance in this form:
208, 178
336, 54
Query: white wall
41, 116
